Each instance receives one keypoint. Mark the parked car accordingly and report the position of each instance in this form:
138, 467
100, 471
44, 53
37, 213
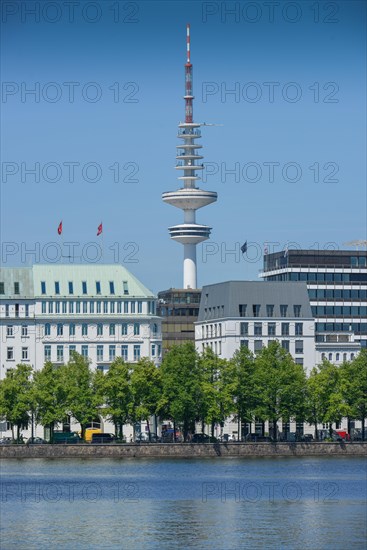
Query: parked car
144, 438
66, 437
103, 438
258, 438
167, 436
203, 438
6, 441
36, 441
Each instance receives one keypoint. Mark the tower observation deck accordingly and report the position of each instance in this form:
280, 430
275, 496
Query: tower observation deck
189, 198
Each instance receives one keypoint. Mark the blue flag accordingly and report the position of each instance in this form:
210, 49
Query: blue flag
244, 248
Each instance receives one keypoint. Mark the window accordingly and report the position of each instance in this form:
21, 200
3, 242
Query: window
91, 307
297, 311
77, 307
24, 330
244, 329
112, 329
2, 288
337, 357
50, 307
71, 287
98, 307
271, 329
124, 329
99, 353
47, 329
9, 330
285, 344
71, 307
119, 307
47, 353
112, 287
7, 310
112, 353
57, 307
330, 356
24, 354
85, 351
60, 329
60, 353
72, 349
125, 287
132, 307
255, 310
283, 310
258, 346
98, 287
16, 310
72, 329
64, 306
258, 329
26, 314
159, 350
136, 353
99, 329
140, 307
43, 287
57, 287
153, 349
124, 352
16, 288
285, 329
155, 329
244, 343
10, 354
112, 307
85, 307
299, 346
242, 310
84, 329
344, 356
299, 361
269, 310
298, 329
126, 307
105, 307
136, 329
84, 287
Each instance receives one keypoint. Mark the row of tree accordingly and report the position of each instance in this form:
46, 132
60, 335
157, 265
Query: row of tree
187, 388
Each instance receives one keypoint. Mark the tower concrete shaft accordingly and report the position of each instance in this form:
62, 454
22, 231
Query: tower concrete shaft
189, 198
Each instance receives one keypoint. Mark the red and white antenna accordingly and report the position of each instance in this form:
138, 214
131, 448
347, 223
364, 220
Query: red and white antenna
188, 81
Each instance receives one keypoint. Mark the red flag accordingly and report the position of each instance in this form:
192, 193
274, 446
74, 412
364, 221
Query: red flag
59, 229
99, 230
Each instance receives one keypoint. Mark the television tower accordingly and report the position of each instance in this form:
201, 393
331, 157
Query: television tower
189, 198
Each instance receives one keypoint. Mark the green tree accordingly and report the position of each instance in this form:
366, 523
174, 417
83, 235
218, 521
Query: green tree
216, 402
50, 395
354, 387
16, 397
146, 389
83, 397
324, 399
281, 385
181, 386
114, 391
241, 384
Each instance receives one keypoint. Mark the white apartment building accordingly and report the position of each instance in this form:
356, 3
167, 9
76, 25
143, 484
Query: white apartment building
252, 314
99, 311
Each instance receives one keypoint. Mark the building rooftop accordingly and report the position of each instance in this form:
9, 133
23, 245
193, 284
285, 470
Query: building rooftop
39, 281
227, 299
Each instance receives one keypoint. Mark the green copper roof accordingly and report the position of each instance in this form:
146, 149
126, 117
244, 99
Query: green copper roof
30, 280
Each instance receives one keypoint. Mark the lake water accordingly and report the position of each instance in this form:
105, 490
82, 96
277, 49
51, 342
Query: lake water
258, 503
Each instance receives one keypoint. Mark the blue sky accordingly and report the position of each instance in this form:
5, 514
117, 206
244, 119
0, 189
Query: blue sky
318, 194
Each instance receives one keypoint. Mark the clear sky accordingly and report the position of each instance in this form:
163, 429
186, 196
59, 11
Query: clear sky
109, 83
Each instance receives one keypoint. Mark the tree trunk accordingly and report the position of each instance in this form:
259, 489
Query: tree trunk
275, 435
316, 432
213, 426
12, 431
363, 428
147, 421
174, 431
18, 430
